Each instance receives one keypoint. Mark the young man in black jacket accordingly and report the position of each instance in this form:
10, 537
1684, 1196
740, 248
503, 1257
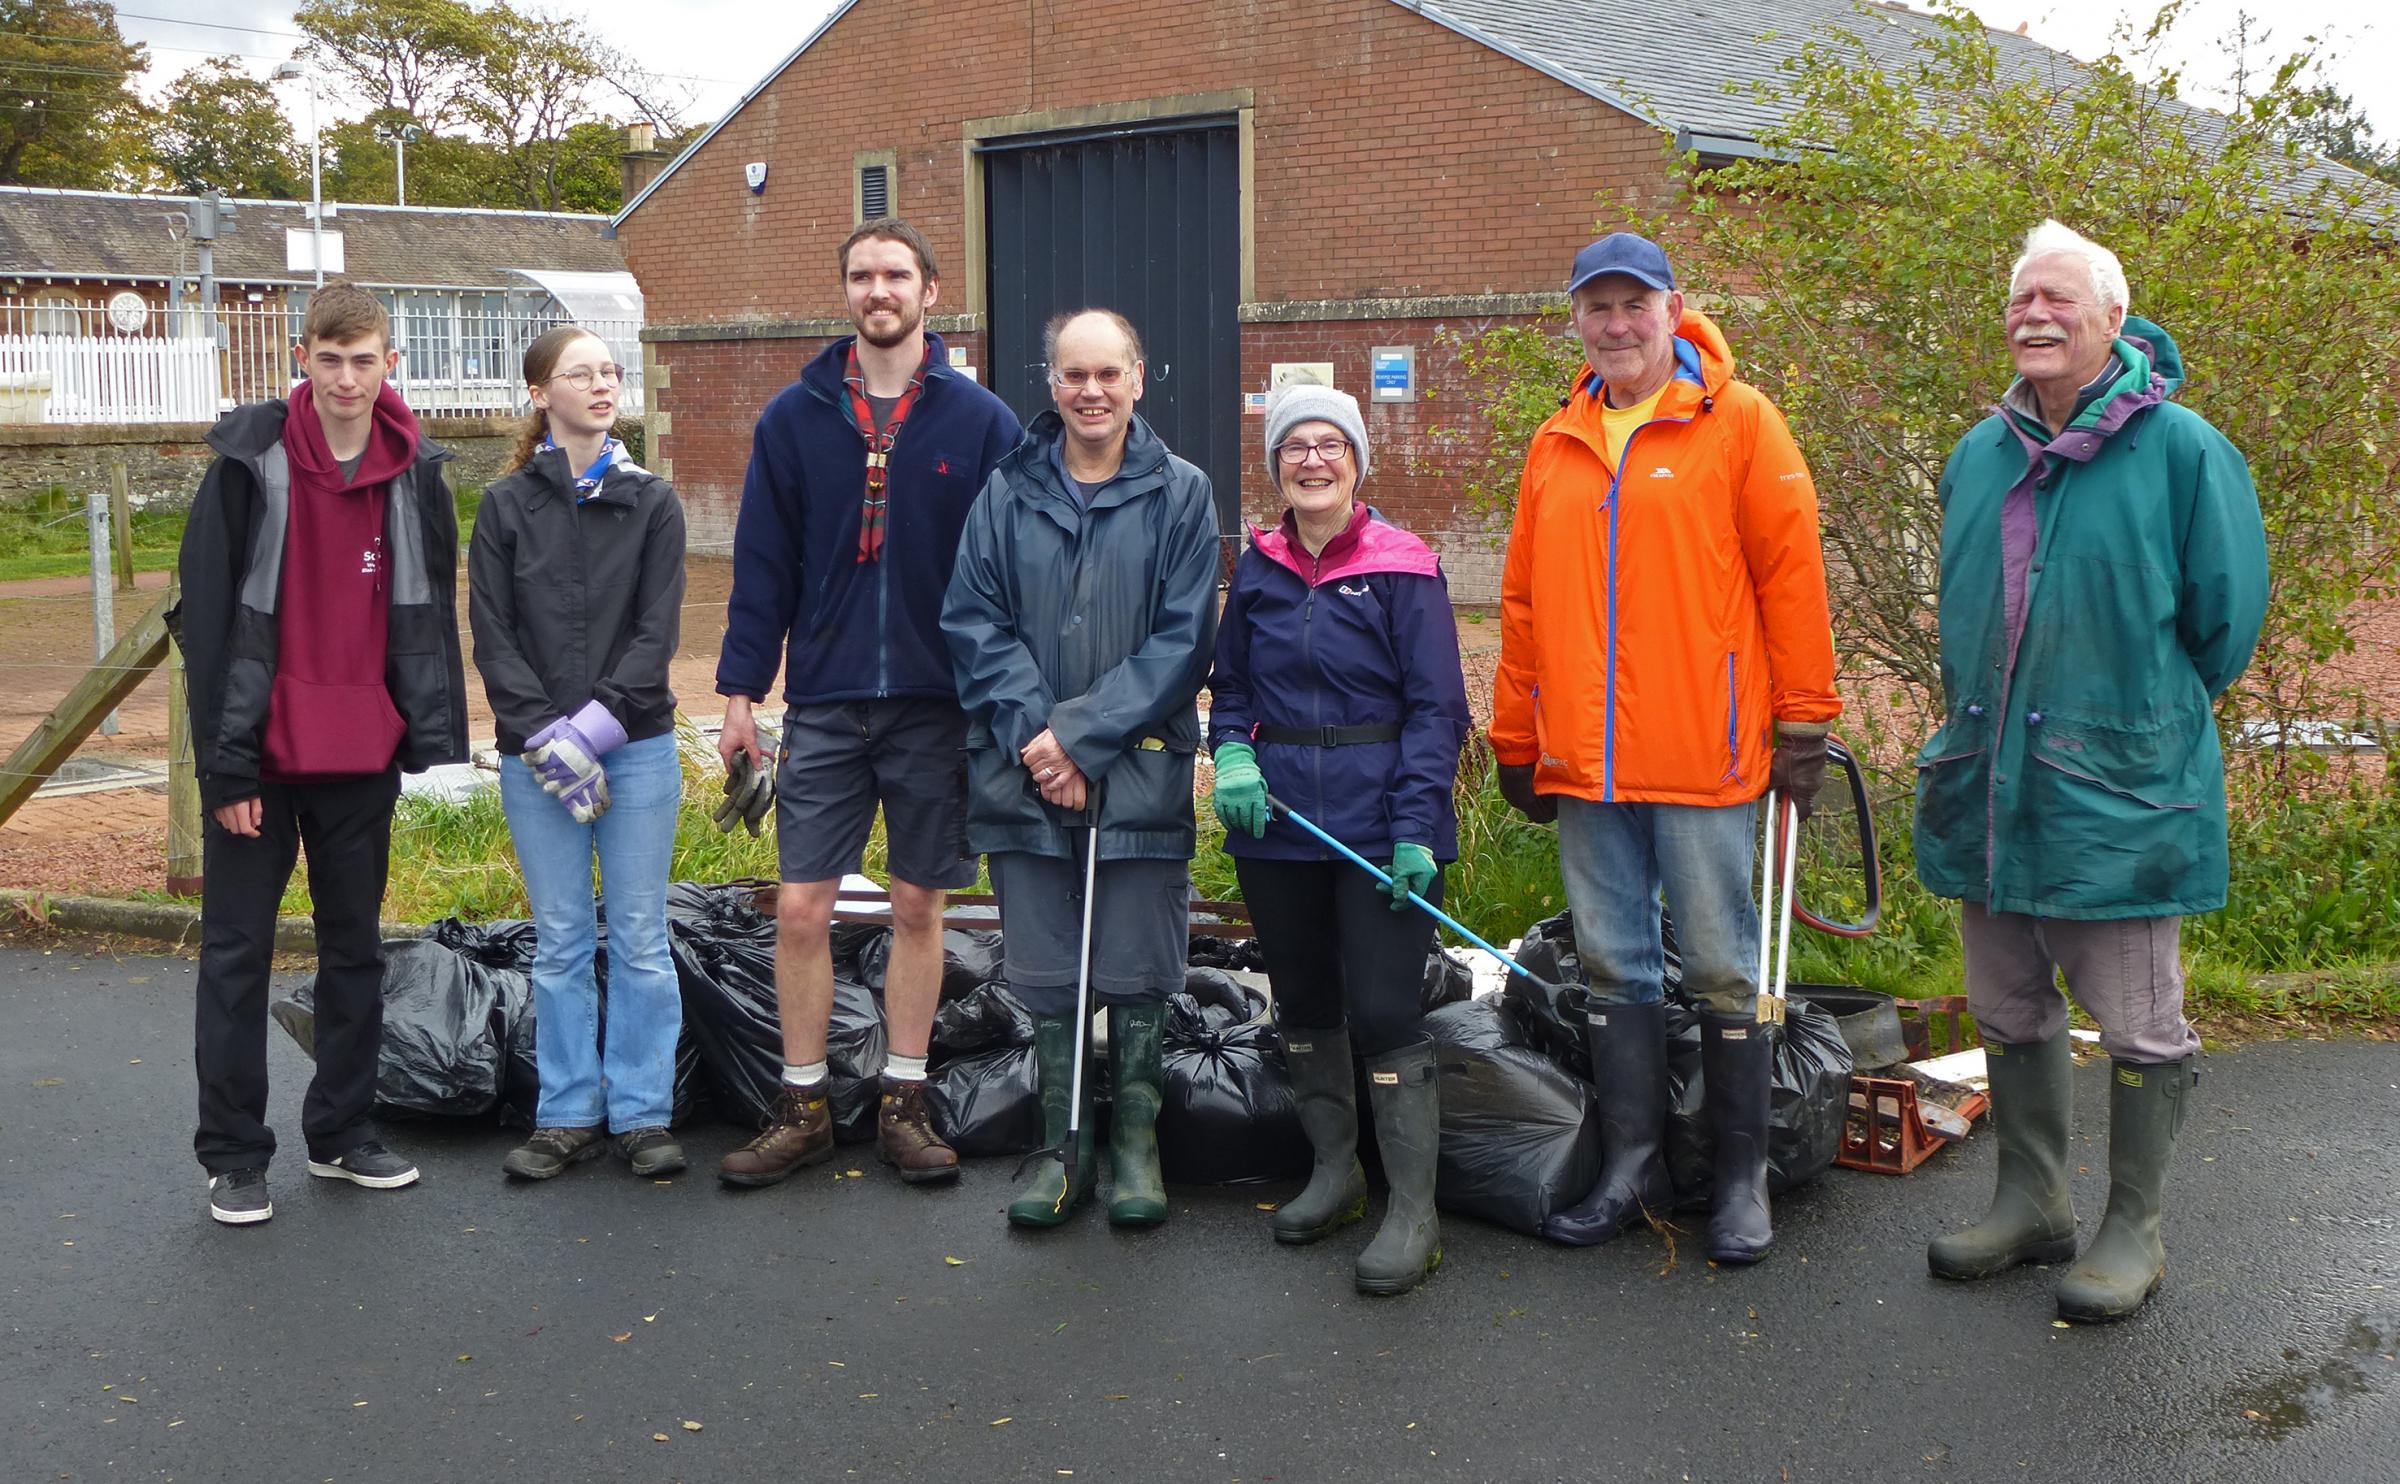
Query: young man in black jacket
319, 631
861, 474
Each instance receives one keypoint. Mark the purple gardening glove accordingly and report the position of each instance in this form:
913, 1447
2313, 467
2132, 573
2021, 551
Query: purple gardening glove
565, 759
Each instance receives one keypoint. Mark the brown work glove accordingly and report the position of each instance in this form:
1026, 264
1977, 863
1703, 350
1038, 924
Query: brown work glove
1798, 770
1516, 786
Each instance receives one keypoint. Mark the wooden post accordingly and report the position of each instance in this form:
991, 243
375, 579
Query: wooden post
183, 779
119, 672
120, 523
104, 606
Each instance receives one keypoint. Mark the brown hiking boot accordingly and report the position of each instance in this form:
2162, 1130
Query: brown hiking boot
905, 1138
799, 1132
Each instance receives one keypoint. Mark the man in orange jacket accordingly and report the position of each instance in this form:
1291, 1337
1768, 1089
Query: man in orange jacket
1663, 615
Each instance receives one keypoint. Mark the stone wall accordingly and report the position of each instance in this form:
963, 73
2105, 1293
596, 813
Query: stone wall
164, 461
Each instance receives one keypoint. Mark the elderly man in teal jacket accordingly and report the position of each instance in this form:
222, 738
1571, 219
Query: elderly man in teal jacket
2104, 577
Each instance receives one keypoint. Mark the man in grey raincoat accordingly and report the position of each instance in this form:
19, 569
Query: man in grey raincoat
1081, 618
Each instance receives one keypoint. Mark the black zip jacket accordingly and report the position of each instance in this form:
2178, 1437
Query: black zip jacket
576, 602
230, 573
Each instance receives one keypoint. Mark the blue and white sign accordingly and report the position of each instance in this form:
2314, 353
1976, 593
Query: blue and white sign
1392, 373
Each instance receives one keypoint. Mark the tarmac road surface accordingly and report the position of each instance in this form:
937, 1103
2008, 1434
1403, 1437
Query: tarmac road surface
470, 1330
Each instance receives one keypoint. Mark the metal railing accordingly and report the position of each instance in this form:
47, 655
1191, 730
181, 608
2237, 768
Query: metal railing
70, 362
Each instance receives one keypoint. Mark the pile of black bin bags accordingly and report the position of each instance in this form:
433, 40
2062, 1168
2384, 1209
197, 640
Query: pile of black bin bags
1519, 1134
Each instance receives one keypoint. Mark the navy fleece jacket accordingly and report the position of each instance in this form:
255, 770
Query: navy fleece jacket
855, 630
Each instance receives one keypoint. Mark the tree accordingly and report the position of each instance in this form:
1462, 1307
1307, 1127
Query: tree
2327, 121
69, 115
1859, 269
361, 164
409, 56
220, 128
530, 88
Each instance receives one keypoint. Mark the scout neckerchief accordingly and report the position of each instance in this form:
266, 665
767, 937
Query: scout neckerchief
587, 484
879, 445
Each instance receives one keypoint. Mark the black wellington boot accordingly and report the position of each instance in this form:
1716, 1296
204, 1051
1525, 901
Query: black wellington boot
1736, 1060
1408, 1128
1049, 1195
1629, 1071
1325, 1088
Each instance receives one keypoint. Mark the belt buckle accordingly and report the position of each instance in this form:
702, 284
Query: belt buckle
1325, 737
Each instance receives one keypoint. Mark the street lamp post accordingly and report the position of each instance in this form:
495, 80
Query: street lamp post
401, 135
316, 168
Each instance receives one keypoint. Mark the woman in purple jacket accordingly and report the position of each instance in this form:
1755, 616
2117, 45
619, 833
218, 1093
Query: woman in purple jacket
1337, 681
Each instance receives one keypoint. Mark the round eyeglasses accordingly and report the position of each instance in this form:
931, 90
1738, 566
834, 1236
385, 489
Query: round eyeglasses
582, 377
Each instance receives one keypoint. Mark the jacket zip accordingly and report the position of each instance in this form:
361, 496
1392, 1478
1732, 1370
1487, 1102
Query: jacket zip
1308, 648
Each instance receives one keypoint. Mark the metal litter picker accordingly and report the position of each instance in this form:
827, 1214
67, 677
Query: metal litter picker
1376, 871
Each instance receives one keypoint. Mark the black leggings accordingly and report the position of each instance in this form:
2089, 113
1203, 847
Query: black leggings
1336, 951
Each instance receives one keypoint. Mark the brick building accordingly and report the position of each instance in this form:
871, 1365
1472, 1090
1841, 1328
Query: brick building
1258, 183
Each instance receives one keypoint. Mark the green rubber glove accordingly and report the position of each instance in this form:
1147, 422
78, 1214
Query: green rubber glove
1241, 796
1412, 869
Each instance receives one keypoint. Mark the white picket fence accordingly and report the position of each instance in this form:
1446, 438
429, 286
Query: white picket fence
65, 364
85, 379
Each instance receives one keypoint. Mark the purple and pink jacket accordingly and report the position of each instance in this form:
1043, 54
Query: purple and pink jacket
1358, 635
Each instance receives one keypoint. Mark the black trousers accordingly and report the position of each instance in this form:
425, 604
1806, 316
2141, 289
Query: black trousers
1336, 951
346, 825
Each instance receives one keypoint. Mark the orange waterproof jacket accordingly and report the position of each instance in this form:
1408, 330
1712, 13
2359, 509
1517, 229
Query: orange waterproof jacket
1655, 617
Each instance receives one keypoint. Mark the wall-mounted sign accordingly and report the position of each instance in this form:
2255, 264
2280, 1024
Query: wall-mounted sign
1285, 373
1392, 373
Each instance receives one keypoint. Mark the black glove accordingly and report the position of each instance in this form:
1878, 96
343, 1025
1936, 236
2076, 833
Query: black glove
1516, 786
1798, 770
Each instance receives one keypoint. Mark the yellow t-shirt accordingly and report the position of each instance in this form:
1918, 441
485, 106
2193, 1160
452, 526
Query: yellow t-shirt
1617, 423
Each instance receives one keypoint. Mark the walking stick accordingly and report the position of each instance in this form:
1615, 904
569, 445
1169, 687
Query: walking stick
1774, 910
1376, 871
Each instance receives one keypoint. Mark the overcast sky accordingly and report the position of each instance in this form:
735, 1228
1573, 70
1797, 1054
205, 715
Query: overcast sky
717, 49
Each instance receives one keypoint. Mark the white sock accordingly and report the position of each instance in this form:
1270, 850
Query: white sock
904, 1068
809, 1074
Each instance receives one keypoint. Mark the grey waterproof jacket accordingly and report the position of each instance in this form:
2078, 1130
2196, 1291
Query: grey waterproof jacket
230, 573
1097, 623
573, 602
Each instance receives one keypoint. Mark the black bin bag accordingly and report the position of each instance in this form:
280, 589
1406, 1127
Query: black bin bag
1811, 1082
1519, 1135
983, 1084
970, 960
724, 950
1226, 1115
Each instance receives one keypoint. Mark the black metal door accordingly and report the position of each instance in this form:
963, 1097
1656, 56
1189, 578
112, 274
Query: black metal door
1144, 220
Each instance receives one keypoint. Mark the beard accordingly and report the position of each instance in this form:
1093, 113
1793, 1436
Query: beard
910, 320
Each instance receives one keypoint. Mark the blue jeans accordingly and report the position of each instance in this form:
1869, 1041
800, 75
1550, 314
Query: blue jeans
1617, 857
632, 1083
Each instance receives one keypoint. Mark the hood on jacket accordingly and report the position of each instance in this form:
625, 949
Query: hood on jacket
1703, 362
1037, 457
391, 440
2148, 371
246, 432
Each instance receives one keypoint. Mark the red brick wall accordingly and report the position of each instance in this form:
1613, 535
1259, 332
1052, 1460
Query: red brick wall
1392, 157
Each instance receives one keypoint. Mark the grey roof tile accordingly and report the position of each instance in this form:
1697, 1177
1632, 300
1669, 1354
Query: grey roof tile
118, 235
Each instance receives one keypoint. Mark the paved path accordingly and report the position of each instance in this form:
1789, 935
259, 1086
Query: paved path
468, 1330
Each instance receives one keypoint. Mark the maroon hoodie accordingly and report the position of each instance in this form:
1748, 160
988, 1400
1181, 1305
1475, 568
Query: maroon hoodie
331, 714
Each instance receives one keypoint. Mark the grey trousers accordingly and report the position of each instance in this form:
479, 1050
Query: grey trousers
2126, 974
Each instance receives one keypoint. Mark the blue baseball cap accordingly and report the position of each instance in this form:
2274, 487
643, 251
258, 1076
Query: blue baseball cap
1628, 253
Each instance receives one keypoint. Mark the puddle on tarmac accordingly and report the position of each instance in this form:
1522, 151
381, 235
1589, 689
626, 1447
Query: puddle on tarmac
2304, 1391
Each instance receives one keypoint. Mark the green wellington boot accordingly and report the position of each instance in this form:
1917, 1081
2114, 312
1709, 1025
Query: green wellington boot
1048, 1197
1139, 1194
2032, 1217
2125, 1262
1408, 1127
1324, 1087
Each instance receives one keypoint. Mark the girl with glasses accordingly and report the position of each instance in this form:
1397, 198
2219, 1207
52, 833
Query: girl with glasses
575, 578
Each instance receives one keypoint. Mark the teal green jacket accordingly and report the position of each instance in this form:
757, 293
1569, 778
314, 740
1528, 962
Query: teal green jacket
2077, 772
